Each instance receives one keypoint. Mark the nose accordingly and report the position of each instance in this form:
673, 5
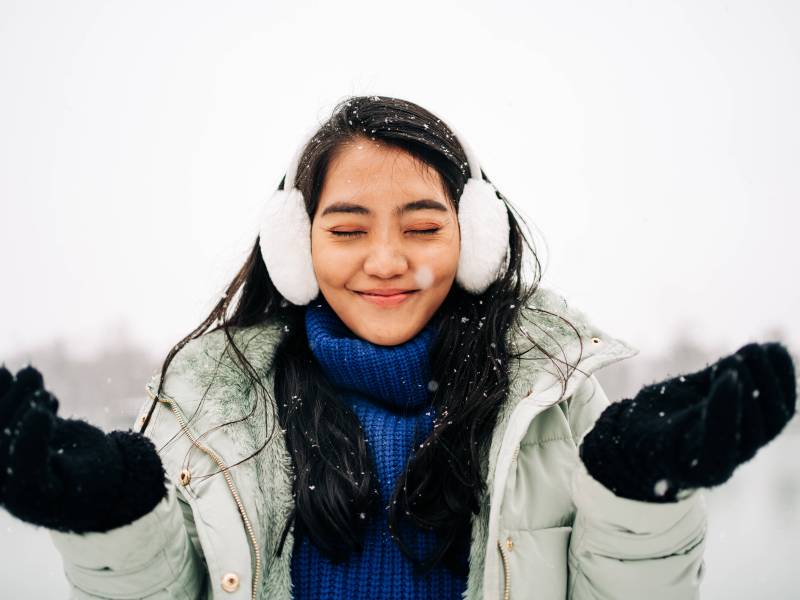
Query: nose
386, 259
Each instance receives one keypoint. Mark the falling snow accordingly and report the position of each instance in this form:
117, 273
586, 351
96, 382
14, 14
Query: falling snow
424, 276
661, 487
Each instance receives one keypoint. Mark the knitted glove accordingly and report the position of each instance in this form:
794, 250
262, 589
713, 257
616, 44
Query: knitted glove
66, 474
693, 430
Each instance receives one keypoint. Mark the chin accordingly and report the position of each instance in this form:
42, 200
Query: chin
384, 326
392, 338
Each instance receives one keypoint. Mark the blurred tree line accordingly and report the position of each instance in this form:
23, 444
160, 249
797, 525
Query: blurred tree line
107, 389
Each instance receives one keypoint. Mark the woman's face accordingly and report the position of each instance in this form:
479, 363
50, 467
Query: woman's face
383, 225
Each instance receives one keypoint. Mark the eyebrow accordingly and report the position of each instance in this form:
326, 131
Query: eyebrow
358, 209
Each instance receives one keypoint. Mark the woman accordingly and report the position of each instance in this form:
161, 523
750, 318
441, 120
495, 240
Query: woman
380, 406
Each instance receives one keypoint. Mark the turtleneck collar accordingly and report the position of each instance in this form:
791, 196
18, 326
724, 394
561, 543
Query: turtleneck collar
397, 375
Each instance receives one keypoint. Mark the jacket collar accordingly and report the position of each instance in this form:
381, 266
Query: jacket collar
554, 339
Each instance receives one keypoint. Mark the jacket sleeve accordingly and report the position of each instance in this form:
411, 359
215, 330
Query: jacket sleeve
156, 556
628, 549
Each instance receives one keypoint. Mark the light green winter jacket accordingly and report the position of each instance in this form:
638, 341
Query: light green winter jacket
546, 530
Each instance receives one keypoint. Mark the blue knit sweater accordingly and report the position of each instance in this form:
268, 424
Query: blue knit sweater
388, 389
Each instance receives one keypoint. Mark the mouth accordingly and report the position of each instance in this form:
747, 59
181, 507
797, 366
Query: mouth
386, 291
387, 297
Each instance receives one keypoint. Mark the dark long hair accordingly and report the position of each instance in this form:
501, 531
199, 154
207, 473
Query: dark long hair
445, 475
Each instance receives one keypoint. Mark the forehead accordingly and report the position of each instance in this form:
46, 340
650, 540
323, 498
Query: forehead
368, 170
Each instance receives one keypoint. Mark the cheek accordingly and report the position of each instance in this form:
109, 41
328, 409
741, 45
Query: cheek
424, 276
328, 259
436, 266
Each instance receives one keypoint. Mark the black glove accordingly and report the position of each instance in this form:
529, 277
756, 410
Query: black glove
66, 474
693, 430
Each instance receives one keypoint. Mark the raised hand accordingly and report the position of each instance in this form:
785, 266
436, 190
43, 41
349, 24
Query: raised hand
693, 430
66, 474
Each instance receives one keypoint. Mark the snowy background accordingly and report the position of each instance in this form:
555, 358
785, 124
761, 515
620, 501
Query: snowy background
653, 145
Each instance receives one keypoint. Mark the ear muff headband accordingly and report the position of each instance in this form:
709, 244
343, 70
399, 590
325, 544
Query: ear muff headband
285, 233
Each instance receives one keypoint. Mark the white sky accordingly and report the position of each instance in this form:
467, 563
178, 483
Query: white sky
654, 145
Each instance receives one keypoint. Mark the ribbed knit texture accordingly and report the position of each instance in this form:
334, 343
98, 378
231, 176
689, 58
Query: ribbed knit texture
388, 389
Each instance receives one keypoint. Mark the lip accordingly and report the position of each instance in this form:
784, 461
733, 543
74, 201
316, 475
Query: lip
386, 297
385, 291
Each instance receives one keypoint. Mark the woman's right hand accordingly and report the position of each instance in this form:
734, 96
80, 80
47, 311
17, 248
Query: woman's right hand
66, 474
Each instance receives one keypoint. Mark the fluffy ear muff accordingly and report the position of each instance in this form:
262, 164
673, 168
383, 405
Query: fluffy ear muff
483, 220
285, 241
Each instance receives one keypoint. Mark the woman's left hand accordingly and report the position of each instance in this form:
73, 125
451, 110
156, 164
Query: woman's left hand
693, 430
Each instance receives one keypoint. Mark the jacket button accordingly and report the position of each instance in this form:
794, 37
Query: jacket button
509, 543
230, 582
595, 340
186, 476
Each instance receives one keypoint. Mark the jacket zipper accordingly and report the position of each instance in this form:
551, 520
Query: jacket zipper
224, 468
506, 572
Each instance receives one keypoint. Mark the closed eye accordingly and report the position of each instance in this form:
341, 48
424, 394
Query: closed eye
356, 233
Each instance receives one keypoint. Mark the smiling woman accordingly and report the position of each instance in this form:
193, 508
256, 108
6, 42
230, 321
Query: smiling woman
394, 267
381, 407
384, 241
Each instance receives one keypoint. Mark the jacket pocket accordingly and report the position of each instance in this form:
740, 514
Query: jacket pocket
536, 562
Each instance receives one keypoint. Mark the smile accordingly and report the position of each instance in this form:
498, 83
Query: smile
383, 300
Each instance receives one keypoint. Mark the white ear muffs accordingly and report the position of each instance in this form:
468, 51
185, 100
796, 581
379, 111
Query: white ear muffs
286, 246
285, 235
285, 238
483, 220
